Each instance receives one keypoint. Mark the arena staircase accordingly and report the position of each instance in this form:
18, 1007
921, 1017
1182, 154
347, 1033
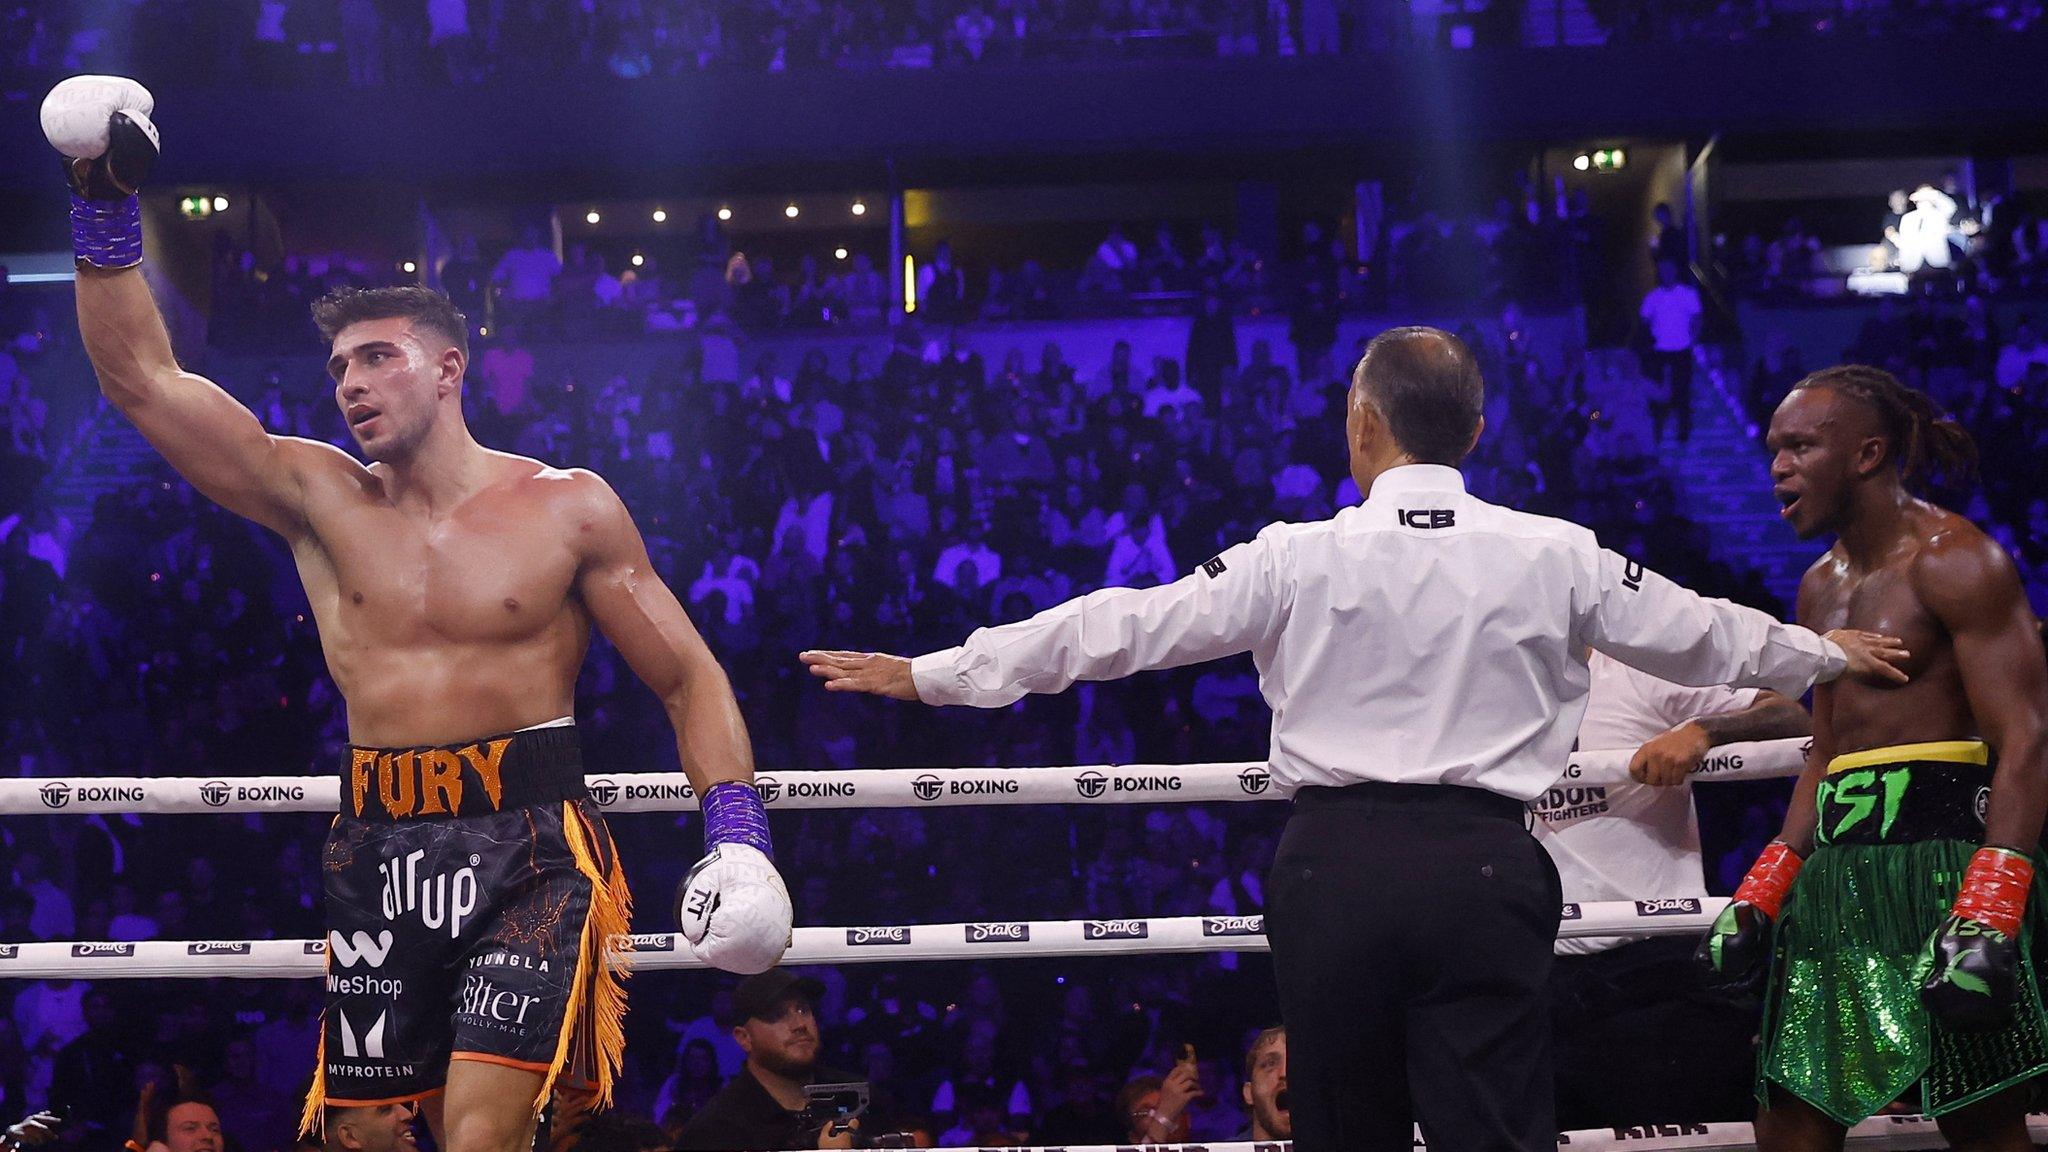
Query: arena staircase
1725, 478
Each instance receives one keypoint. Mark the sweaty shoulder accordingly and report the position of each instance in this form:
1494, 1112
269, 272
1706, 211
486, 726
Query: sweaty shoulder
577, 499
1958, 565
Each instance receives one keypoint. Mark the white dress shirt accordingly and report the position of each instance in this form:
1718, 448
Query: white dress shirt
1423, 637
1628, 841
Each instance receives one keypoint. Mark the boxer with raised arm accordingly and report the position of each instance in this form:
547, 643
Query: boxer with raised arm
471, 888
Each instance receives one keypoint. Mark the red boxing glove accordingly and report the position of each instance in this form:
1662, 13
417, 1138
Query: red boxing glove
1770, 878
1994, 890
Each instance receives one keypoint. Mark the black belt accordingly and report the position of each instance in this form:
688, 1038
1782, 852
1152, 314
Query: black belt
1903, 802
1415, 797
532, 766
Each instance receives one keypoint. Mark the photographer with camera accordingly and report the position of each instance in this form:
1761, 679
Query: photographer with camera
781, 1098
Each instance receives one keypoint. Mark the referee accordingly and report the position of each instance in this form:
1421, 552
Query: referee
1424, 655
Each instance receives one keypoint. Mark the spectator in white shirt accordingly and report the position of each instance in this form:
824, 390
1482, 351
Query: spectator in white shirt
973, 551
1673, 312
1138, 555
1169, 391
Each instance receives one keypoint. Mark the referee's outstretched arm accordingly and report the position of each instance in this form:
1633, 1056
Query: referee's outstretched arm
1234, 603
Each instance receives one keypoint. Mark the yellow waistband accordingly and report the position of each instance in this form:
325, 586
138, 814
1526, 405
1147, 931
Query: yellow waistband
1947, 751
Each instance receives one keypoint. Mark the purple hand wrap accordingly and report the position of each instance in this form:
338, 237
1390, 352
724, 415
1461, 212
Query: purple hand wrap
106, 233
733, 815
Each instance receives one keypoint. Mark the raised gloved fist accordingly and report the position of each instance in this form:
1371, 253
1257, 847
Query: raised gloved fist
102, 126
1735, 946
734, 910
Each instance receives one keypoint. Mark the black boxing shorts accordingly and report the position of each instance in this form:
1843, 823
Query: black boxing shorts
471, 892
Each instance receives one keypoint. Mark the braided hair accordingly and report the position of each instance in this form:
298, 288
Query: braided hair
1926, 443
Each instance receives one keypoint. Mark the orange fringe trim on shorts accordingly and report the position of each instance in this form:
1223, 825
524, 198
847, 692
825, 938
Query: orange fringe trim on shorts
594, 1024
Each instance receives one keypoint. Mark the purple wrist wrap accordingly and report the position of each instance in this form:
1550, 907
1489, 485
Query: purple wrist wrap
106, 233
733, 815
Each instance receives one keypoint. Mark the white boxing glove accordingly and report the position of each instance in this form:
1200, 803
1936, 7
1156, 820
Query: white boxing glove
77, 112
734, 910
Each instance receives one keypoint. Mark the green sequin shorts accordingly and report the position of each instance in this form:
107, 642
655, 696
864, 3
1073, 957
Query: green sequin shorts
1843, 1026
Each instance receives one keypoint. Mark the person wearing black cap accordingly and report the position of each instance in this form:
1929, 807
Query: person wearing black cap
1424, 654
775, 1022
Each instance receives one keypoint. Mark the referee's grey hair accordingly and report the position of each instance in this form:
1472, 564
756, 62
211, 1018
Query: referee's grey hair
1425, 384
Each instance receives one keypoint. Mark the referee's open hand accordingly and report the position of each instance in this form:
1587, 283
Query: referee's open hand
875, 673
1872, 655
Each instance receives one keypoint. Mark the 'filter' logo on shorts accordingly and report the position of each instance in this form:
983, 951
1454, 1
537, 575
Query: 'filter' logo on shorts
1115, 929
217, 948
653, 942
861, 937
605, 792
1570, 912
79, 951
1233, 925
1006, 930
1254, 781
215, 793
928, 787
1091, 785
1685, 907
768, 787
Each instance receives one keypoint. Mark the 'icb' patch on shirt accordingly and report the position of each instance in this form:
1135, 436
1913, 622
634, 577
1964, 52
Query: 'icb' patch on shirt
1214, 566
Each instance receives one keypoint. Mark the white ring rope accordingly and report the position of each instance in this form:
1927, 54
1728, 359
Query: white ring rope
988, 939
860, 788
1877, 1134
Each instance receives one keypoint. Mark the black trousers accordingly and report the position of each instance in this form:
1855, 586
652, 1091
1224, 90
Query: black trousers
1671, 378
1644, 1037
1411, 928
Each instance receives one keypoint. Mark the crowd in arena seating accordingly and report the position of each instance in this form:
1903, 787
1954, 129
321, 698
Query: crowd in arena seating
894, 502
376, 42
1532, 247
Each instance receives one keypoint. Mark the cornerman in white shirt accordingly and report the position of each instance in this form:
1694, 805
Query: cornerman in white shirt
1618, 1002
1424, 657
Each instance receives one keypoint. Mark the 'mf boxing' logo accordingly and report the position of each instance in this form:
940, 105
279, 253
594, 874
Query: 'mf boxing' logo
427, 782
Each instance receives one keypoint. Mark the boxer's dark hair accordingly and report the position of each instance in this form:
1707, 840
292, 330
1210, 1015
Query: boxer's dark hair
423, 306
1925, 442
1426, 386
